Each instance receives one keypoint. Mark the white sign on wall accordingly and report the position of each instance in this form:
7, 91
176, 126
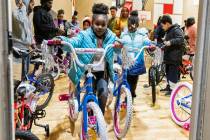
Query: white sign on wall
137, 4
178, 7
158, 11
177, 19
144, 15
164, 1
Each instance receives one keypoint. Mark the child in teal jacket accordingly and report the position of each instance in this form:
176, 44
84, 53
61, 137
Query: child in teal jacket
98, 36
135, 38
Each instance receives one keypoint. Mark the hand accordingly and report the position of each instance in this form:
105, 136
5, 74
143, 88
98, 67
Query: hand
167, 43
61, 32
117, 44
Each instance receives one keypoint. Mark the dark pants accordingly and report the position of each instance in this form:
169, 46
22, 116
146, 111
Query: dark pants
172, 73
132, 81
101, 88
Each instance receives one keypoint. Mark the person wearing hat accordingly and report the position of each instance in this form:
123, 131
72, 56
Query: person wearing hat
86, 22
44, 27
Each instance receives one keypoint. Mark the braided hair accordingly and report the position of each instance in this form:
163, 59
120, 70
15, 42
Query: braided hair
100, 9
133, 18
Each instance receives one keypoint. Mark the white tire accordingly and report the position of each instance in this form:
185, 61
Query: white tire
172, 100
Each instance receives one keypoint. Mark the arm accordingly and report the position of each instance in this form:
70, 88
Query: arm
178, 39
76, 41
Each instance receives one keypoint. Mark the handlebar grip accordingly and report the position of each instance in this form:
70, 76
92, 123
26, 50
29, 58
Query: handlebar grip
54, 42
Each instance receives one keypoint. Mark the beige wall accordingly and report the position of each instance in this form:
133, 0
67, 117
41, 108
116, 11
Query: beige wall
190, 10
149, 7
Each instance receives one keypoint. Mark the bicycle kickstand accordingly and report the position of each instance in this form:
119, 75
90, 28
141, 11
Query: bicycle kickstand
46, 127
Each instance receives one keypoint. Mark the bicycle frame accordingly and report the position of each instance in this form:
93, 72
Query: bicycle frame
120, 81
89, 96
182, 101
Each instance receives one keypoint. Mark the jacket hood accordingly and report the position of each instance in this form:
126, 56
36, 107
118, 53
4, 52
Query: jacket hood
173, 27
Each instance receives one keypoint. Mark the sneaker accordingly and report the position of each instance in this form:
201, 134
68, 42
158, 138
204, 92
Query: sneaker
166, 89
168, 93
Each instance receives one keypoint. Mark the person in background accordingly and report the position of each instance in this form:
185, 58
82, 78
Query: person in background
191, 32
86, 23
184, 27
173, 51
113, 18
44, 27
159, 33
22, 30
60, 22
22, 26
72, 27
135, 38
121, 22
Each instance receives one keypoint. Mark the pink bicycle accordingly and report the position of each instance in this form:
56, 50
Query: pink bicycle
180, 104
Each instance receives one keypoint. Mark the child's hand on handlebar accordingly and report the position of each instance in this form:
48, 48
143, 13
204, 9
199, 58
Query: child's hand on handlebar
117, 45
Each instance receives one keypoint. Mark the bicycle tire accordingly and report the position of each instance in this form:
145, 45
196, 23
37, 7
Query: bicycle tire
153, 75
153, 85
174, 116
50, 93
128, 118
25, 135
101, 124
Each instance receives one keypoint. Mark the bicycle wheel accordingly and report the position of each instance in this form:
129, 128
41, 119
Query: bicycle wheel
180, 103
123, 112
160, 72
152, 78
100, 125
73, 109
45, 87
25, 135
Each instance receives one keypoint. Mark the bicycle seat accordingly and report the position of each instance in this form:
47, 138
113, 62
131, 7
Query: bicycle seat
21, 91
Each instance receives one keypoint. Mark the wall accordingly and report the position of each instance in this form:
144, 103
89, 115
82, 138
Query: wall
149, 7
190, 10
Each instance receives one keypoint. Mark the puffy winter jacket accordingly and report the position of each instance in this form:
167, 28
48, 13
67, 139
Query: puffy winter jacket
173, 54
87, 39
137, 39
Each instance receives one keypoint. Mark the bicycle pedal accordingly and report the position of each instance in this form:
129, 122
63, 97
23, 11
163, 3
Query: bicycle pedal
92, 135
39, 114
64, 97
123, 105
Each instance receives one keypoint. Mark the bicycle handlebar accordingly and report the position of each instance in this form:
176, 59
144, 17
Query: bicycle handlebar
76, 51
